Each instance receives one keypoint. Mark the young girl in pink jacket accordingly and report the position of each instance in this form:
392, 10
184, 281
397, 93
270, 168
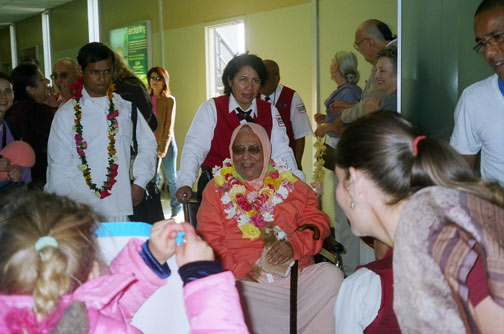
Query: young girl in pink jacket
51, 278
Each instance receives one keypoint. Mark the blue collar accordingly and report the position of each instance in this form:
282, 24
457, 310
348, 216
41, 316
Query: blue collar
501, 86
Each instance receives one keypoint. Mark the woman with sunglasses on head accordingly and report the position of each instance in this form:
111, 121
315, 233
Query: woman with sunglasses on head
250, 215
164, 108
419, 196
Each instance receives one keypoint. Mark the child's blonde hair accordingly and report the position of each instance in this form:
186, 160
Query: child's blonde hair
52, 271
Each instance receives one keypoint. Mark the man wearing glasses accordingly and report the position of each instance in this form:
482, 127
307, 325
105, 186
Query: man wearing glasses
479, 115
63, 74
371, 37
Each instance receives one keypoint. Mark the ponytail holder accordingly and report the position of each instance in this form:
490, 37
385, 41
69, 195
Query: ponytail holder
44, 242
415, 143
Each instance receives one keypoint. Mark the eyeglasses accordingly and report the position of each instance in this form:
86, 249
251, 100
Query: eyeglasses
156, 78
357, 45
62, 75
494, 40
252, 149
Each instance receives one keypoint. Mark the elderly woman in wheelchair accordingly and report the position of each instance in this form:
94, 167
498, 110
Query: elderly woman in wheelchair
250, 215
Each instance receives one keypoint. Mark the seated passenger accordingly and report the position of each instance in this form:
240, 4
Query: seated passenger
419, 196
249, 215
51, 282
209, 136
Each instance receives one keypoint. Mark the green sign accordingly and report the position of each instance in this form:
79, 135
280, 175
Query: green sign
132, 43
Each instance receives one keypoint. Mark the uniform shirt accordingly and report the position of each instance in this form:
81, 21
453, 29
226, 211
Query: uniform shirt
300, 123
199, 138
63, 176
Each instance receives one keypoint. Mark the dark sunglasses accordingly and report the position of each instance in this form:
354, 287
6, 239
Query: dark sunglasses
156, 78
62, 75
252, 149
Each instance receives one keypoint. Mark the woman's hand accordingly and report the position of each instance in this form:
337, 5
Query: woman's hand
319, 118
322, 130
162, 242
193, 248
373, 105
280, 253
5, 165
337, 107
15, 173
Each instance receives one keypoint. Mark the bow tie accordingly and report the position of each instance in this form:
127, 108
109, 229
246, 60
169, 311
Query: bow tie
267, 98
244, 115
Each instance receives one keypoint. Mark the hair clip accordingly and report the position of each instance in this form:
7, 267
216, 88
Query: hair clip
415, 143
44, 242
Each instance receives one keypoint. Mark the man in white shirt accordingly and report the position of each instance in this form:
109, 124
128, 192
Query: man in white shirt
479, 115
90, 143
291, 108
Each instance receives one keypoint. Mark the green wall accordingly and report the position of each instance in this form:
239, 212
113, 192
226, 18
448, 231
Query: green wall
438, 60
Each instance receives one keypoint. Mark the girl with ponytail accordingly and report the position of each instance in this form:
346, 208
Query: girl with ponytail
418, 195
51, 279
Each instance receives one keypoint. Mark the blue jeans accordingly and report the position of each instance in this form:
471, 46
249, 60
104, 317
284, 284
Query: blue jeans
170, 171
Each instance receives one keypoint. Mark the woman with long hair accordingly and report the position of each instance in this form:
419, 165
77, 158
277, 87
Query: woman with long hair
165, 106
418, 195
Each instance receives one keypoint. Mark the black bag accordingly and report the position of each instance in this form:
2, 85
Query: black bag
150, 209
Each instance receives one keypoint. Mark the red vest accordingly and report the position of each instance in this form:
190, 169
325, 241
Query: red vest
386, 321
283, 104
226, 123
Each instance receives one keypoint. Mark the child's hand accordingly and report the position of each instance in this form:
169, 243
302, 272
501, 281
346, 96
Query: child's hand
162, 239
194, 248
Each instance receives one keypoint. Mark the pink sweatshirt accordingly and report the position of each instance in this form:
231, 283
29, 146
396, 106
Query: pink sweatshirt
212, 303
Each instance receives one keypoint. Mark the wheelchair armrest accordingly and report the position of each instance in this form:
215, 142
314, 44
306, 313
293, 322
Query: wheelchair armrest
333, 246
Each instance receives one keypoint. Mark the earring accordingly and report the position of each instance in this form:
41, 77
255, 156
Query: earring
352, 205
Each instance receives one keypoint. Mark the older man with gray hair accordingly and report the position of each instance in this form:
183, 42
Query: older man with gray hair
63, 74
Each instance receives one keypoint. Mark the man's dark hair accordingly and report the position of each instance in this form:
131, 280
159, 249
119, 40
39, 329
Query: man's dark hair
385, 31
486, 5
22, 76
235, 65
93, 53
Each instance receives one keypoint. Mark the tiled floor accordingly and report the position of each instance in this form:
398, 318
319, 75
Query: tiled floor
165, 202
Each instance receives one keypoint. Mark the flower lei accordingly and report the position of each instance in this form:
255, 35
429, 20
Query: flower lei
253, 210
81, 145
318, 170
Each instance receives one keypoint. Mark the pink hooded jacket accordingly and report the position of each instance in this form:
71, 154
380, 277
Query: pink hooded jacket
212, 303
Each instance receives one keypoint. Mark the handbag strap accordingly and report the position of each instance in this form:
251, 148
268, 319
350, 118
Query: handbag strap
134, 116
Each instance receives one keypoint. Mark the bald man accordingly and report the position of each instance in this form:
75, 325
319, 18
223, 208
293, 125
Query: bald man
290, 107
64, 73
371, 37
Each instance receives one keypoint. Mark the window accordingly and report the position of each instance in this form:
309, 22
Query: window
223, 41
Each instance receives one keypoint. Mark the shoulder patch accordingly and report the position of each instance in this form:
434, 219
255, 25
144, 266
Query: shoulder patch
280, 121
300, 108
